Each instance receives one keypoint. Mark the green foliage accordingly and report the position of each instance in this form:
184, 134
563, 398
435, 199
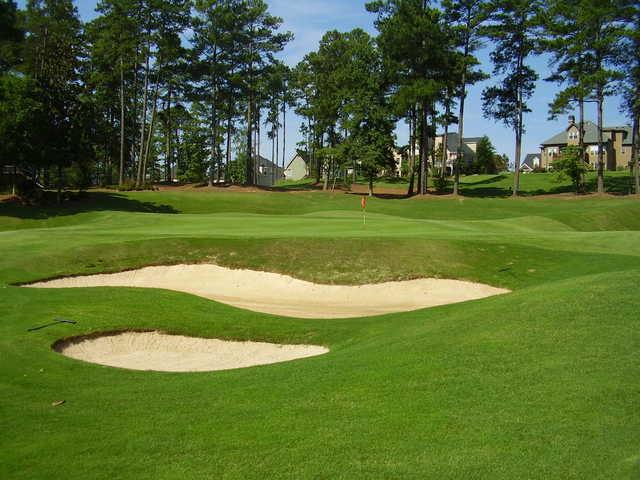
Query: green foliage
11, 35
440, 183
571, 163
237, 169
487, 161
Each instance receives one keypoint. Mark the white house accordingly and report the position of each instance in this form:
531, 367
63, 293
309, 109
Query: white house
297, 169
530, 163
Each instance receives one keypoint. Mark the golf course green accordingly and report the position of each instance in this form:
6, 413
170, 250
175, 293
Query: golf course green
539, 383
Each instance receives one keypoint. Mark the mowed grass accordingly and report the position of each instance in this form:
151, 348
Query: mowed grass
498, 185
541, 383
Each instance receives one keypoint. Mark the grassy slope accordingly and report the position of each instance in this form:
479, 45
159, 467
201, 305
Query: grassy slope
498, 185
541, 383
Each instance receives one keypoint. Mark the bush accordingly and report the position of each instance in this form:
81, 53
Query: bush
440, 184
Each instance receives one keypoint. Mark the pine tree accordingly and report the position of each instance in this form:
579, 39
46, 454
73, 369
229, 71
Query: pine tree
414, 43
514, 29
467, 18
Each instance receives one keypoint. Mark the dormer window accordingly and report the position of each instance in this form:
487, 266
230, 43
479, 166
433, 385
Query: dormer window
573, 135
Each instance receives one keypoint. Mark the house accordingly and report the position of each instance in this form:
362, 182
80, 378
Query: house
531, 162
469, 145
298, 168
267, 172
616, 142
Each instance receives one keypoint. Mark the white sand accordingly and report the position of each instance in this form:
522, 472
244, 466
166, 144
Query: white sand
283, 295
174, 353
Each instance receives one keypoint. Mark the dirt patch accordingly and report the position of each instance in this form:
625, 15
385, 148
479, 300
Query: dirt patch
283, 295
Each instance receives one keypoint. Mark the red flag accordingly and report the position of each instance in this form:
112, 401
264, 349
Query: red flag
363, 202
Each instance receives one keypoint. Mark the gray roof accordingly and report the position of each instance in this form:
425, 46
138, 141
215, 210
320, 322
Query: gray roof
452, 144
264, 162
528, 160
590, 135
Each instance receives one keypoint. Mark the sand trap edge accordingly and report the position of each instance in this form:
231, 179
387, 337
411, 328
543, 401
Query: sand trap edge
262, 291
301, 351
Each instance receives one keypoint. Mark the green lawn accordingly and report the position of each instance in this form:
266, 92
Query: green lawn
619, 183
542, 383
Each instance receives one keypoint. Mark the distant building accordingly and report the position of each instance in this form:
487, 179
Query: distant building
531, 162
616, 143
469, 145
267, 172
298, 167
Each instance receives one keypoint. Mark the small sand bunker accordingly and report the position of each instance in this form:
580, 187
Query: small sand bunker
283, 295
175, 353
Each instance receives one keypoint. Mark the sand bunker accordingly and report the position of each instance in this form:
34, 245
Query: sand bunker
283, 295
175, 353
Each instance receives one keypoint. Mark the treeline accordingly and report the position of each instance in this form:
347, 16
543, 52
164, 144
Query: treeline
156, 90
148, 91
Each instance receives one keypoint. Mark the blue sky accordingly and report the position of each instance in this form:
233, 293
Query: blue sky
310, 19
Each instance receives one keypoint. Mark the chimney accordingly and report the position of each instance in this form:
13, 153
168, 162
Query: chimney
572, 120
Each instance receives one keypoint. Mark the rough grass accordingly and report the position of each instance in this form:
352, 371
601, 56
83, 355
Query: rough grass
541, 383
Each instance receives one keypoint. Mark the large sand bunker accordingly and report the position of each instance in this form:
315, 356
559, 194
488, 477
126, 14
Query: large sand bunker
175, 353
283, 295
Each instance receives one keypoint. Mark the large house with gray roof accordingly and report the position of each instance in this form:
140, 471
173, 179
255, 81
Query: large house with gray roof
617, 145
469, 145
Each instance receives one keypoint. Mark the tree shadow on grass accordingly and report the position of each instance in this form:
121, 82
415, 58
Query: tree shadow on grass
614, 185
80, 203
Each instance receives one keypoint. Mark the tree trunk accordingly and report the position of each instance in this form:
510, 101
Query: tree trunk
169, 155
133, 116
581, 186
275, 160
600, 99
412, 150
150, 134
59, 182
518, 153
143, 120
463, 97
445, 139
635, 152
424, 148
249, 171
214, 140
122, 129
273, 155
229, 133
284, 134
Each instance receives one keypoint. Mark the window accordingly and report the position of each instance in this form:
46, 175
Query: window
573, 135
552, 151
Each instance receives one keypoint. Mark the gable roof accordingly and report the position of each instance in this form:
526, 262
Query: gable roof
264, 162
528, 161
590, 134
452, 144
299, 153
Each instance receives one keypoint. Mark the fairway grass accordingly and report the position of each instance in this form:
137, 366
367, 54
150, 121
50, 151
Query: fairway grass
543, 382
